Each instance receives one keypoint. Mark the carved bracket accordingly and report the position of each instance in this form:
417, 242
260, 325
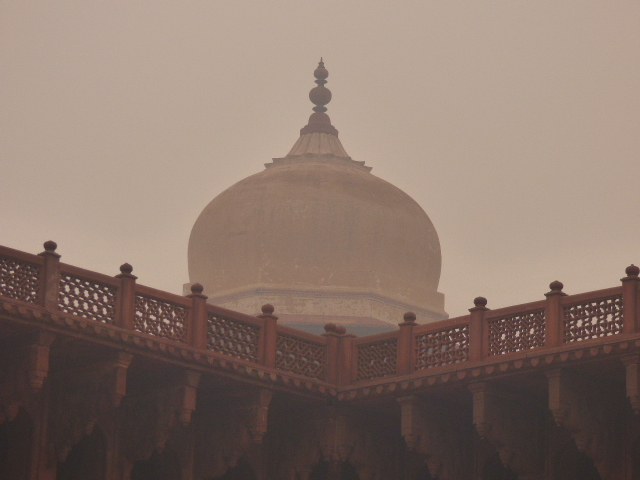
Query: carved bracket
81, 396
632, 366
435, 432
39, 360
259, 414
513, 426
592, 419
149, 415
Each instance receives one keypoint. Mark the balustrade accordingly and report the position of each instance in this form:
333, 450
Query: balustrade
336, 357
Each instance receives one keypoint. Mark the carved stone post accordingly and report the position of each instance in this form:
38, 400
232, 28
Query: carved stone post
126, 297
268, 335
198, 317
630, 300
554, 318
50, 285
331, 360
477, 331
348, 360
406, 351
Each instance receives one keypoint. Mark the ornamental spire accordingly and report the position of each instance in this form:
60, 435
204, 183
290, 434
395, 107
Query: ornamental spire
319, 121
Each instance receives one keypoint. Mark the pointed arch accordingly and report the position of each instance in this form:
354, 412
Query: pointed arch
86, 460
16, 439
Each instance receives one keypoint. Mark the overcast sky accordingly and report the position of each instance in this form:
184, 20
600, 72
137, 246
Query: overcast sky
514, 124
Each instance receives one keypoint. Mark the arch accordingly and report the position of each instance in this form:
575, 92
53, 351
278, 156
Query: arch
570, 464
423, 473
242, 471
16, 439
86, 460
160, 466
326, 471
495, 470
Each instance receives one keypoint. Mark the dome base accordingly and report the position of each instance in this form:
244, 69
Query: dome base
355, 309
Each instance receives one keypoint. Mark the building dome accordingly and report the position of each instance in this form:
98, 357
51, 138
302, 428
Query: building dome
319, 236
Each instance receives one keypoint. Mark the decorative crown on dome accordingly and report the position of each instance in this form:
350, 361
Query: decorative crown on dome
319, 140
319, 121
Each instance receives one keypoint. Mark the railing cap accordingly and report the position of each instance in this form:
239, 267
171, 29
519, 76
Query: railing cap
480, 304
50, 249
556, 289
125, 271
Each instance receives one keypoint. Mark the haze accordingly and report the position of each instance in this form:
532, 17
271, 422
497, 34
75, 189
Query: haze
515, 125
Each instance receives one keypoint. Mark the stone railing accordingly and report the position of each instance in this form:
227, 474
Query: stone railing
119, 301
335, 357
493, 334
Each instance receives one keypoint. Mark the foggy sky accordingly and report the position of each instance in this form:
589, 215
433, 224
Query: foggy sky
515, 125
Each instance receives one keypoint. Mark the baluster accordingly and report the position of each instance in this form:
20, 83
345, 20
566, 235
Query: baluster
478, 337
406, 352
554, 316
630, 300
126, 297
50, 284
268, 334
198, 317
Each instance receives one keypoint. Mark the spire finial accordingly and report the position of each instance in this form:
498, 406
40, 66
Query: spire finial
319, 122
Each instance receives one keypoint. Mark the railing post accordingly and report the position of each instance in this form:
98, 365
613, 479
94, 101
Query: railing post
406, 352
554, 316
50, 285
331, 358
348, 362
198, 317
477, 336
630, 300
268, 335
126, 297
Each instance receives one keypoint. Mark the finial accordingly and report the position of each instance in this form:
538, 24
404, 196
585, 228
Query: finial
319, 121
556, 286
126, 268
197, 288
267, 309
632, 271
50, 246
480, 302
409, 317
330, 327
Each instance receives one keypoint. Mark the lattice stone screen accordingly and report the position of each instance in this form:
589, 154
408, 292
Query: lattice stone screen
435, 349
19, 279
160, 318
593, 319
299, 356
377, 359
87, 298
514, 333
232, 338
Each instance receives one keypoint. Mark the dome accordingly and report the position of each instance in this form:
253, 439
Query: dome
318, 235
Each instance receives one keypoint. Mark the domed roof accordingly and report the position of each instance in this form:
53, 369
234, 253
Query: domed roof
317, 223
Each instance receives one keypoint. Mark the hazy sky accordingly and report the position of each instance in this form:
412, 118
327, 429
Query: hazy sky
514, 124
